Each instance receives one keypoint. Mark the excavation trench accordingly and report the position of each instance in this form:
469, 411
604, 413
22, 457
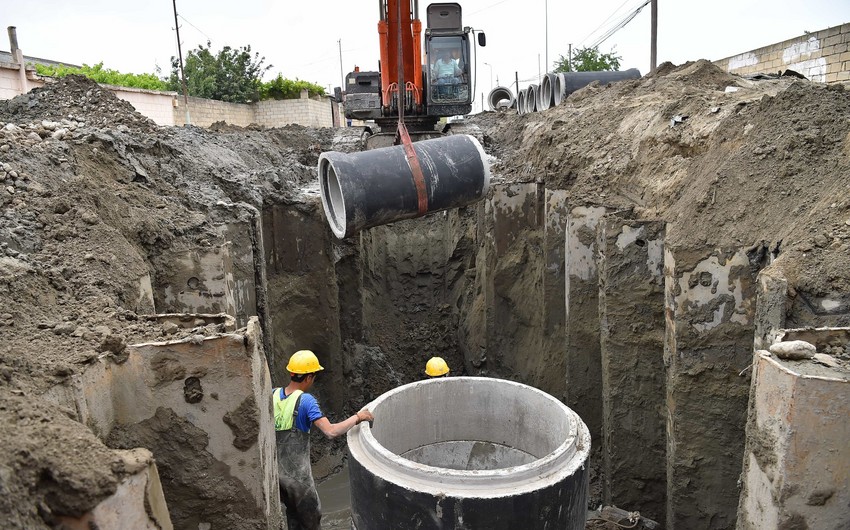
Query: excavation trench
617, 264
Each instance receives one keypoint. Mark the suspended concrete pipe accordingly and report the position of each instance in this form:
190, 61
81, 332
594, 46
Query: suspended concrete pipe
376, 187
501, 98
476, 453
572, 81
520, 102
547, 91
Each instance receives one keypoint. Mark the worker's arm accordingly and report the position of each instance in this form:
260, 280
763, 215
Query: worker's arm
332, 430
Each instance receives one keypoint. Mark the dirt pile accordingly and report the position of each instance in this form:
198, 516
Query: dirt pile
73, 101
725, 161
94, 198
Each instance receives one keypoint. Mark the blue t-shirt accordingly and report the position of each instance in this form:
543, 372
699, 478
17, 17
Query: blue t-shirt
308, 411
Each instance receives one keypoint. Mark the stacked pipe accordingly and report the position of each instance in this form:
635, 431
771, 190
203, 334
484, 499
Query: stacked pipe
501, 98
555, 87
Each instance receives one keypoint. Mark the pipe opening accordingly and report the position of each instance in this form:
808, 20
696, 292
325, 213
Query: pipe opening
472, 446
332, 197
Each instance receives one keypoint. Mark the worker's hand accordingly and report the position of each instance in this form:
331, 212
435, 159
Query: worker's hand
365, 415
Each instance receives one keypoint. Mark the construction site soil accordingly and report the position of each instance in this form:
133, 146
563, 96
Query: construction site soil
93, 194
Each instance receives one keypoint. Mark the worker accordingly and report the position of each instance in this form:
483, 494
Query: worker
436, 367
294, 412
445, 71
457, 58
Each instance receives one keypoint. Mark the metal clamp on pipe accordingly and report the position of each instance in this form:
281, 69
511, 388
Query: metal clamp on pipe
376, 187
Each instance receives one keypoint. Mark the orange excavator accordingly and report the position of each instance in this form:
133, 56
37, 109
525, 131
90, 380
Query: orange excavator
408, 95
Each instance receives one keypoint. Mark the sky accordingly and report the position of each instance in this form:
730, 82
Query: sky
303, 39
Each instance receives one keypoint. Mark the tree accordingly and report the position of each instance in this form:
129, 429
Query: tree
588, 60
99, 74
282, 88
231, 75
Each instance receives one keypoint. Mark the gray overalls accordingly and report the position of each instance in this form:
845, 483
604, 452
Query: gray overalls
297, 488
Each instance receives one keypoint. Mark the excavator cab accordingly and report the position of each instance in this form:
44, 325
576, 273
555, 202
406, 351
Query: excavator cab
437, 78
448, 76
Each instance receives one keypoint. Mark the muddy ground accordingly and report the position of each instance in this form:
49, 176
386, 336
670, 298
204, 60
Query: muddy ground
94, 196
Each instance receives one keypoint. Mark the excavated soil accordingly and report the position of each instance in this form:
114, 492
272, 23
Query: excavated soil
93, 196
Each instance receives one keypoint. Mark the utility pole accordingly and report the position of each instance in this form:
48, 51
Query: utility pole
570, 57
653, 56
547, 35
182, 72
341, 77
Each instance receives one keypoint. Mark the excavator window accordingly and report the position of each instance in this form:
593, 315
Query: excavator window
448, 69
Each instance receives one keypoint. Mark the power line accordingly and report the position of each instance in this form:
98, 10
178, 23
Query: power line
620, 25
604, 21
196, 27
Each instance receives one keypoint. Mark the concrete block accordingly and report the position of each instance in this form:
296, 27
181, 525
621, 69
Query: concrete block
515, 267
199, 281
241, 228
831, 41
300, 271
709, 308
196, 404
796, 472
631, 315
771, 299
584, 363
554, 379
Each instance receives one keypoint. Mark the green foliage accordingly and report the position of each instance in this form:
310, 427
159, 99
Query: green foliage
232, 74
281, 88
588, 60
106, 76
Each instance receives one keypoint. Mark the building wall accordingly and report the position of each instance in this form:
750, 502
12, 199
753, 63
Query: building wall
10, 84
822, 56
304, 111
205, 112
156, 105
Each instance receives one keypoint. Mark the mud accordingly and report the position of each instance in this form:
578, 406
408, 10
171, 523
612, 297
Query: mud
93, 218
188, 480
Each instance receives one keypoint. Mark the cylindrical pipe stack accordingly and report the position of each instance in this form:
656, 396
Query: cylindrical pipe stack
555, 87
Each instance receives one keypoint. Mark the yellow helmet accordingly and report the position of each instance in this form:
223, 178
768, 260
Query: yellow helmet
436, 367
303, 362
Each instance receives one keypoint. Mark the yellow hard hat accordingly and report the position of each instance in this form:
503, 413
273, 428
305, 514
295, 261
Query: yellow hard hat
303, 362
436, 367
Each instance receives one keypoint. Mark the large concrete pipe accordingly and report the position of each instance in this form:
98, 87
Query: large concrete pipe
501, 98
532, 103
547, 91
469, 452
558, 89
376, 187
530, 94
520, 102
572, 81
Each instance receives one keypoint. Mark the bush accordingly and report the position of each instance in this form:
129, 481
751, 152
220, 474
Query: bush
281, 88
99, 74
